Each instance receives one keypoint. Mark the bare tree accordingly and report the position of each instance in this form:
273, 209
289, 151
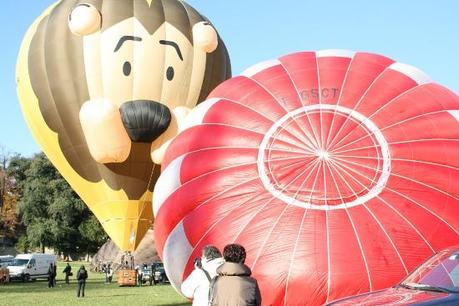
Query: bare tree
5, 156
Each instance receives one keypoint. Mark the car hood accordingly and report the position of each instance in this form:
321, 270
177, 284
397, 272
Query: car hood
398, 296
16, 269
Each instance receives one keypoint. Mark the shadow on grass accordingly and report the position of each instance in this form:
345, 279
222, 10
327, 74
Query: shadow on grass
42, 286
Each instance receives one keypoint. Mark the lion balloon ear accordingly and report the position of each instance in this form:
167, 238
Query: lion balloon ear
205, 37
84, 19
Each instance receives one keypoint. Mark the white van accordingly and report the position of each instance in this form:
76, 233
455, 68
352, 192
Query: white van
6, 260
31, 266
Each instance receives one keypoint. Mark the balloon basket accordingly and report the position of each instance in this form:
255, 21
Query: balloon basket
127, 278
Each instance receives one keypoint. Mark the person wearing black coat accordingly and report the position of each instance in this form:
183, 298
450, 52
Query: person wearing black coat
54, 274
68, 272
51, 276
82, 275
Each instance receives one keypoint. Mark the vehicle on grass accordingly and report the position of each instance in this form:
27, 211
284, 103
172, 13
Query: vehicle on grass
27, 267
6, 260
159, 274
147, 274
435, 282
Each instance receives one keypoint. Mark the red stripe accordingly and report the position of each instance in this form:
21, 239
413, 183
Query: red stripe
343, 243
421, 100
208, 136
209, 160
400, 231
309, 274
365, 68
280, 238
186, 198
332, 71
382, 259
277, 81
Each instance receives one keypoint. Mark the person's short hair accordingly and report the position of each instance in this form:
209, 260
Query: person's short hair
211, 252
234, 253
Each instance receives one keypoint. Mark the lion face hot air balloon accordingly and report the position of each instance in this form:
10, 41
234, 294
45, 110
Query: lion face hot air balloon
104, 87
336, 170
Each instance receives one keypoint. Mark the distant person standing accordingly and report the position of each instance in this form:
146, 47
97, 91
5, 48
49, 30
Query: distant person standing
130, 260
105, 271
233, 285
109, 273
54, 274
123, 262
68, 272
139, 275
50, 276
82, 275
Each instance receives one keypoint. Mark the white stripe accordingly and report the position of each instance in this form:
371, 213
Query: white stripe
413, 73
454, 113
177, 251
196, 116
335, 53
167, 183
259, 67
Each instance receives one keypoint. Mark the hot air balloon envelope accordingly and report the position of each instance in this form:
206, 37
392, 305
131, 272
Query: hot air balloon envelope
105, 85
336, 170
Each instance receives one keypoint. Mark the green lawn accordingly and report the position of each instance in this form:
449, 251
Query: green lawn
96, 293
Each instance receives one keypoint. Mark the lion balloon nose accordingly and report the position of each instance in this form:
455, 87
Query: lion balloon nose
145, 120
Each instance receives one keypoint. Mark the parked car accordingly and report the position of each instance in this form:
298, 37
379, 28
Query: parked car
147, 274
435, 282
159, 274
31, 266
6, 260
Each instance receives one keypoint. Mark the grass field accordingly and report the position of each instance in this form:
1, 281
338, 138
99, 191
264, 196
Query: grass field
96, 293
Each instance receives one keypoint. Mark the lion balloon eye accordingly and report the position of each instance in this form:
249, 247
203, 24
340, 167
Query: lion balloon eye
170, 73
127, 68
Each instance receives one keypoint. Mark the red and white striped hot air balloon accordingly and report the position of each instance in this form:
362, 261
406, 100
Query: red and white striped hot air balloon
336, 170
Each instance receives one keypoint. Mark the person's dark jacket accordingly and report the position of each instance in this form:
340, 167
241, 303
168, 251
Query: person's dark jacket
235, 287
67, 269
50, 271
82, 274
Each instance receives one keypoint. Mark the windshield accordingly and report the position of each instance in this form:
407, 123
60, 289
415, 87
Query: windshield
19, 262
440, 271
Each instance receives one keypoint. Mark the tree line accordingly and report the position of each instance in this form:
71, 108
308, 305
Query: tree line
39, 209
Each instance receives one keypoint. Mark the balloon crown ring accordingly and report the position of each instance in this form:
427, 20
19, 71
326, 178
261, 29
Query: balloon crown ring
321, 171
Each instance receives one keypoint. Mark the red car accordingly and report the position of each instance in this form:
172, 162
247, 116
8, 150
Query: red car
435, 282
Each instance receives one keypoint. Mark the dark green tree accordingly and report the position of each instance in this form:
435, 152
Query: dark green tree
53, 213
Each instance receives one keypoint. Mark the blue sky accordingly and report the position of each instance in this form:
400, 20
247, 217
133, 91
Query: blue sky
422, 33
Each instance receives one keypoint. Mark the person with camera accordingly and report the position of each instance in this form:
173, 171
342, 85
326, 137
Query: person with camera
68, 272
233, 285
196, 285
